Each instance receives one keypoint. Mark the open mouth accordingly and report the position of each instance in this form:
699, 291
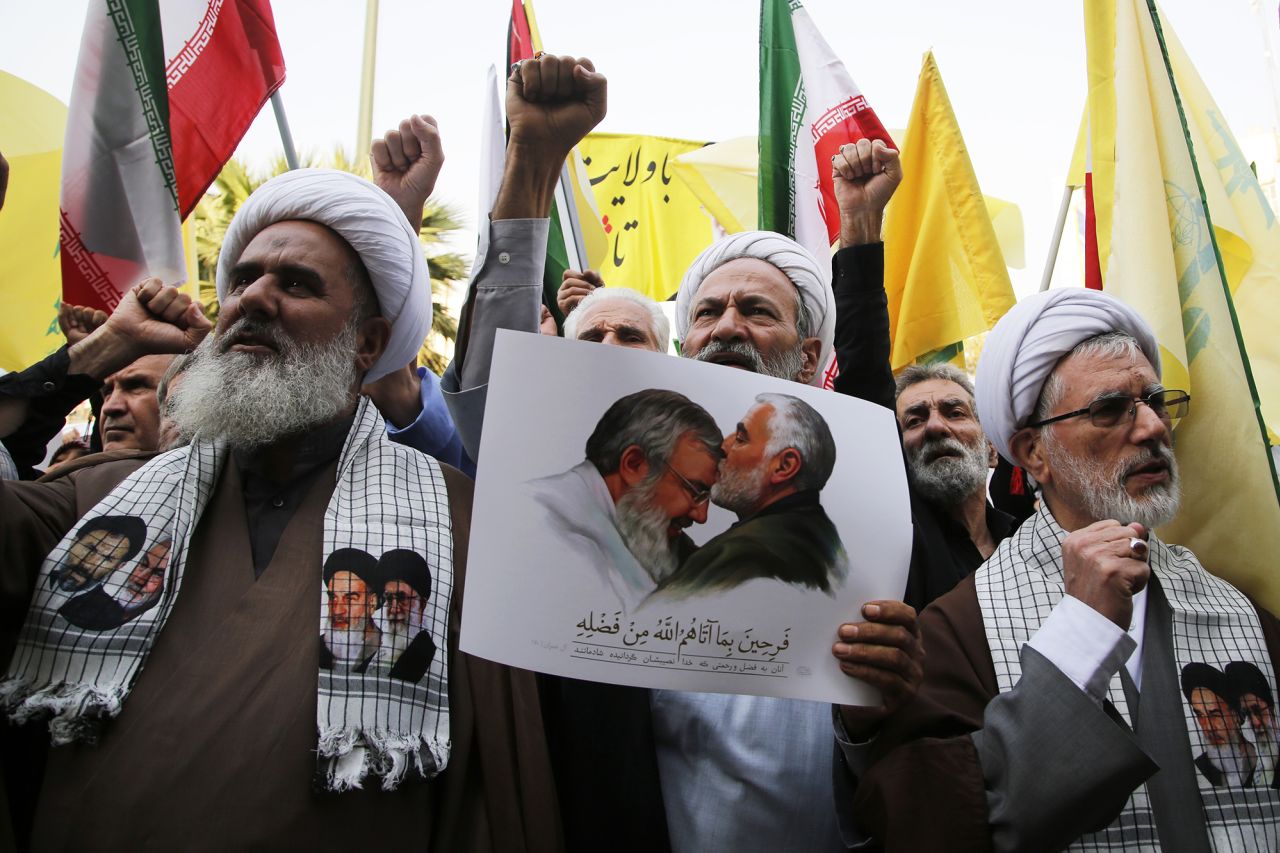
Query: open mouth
1155, 469
247, 342
733, 359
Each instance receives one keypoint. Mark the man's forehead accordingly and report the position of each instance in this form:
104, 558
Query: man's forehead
296, 235
148, 366
747, 278
614, 311
1084, 377
932, 392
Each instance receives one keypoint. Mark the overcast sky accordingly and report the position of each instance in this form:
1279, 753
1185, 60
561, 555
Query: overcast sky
688, 68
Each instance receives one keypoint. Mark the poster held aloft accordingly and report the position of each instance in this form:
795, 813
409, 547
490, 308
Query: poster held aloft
680, 525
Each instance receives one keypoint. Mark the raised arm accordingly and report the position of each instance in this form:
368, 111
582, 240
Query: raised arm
865, 174
552, 103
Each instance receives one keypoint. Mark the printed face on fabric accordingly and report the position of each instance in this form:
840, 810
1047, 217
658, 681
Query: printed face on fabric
1233, 715
745, 315
100, 547
351, 601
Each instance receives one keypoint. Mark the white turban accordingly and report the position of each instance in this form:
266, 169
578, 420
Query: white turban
1027, 343
795, 261
372, 225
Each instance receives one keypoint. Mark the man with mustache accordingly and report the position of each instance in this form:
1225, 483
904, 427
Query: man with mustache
619, 516
351, 639
1228, 759
776, 462
220, 706
699, 771
1257, 707
407, 650
1050, 691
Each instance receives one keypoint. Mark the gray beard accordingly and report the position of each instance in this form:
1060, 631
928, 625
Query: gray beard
948, 480
643, 528
1233, 761
783, 365
250, 400
738, 489
1100, 491
347, 645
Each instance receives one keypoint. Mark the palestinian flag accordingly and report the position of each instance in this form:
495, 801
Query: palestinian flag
157, 107
809, 107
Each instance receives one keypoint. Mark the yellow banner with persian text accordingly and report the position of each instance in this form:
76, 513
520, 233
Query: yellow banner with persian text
655, 226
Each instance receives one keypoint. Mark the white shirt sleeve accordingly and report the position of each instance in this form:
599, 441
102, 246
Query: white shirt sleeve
1084, 645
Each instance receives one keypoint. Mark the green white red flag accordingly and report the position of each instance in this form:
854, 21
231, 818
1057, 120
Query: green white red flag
158, 106
809, 107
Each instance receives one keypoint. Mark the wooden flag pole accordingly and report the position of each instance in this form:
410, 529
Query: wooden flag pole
286, 136
1056, 241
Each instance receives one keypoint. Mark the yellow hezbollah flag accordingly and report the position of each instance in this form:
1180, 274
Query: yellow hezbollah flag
31, 139
944, 274
654, 225
723, 176
1171, 235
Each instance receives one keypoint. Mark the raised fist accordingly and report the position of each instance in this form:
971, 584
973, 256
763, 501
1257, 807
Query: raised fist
576, 287
865, 174
1105, 565
553, 102
406, 163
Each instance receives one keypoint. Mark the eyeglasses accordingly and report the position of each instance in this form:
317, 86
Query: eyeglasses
1169, 405
699, 495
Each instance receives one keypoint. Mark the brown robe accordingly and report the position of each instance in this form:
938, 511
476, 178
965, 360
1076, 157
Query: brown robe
926, 789
215, 746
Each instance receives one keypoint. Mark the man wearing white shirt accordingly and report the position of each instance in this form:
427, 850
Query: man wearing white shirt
1050, 711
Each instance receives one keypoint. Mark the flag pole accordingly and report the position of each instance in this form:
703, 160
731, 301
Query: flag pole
364, 122
286, 136
1056, 242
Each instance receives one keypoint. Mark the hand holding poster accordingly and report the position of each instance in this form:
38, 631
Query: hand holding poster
664, 522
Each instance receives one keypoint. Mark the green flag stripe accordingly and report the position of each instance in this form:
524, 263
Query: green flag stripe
782, 108
1222, 272
137, 25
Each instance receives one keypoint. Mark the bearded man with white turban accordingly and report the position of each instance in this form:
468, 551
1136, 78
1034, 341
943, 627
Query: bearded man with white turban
662, 770
223, 728
1049, 714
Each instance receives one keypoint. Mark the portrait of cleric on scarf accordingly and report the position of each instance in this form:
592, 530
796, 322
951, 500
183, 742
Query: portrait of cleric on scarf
681, 526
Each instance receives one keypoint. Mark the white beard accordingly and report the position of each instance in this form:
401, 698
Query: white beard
783, 365
396, 636
347, 645
1101, 489
643, 527
250, 400
1233, 761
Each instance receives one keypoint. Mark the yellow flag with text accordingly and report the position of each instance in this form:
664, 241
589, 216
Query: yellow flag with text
1179, 227
943, 270
654, 225
30, 275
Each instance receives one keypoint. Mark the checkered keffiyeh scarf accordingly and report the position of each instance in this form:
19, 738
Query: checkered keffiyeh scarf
86, 638
1213, 623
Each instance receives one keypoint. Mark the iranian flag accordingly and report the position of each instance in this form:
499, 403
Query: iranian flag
157, 107
809, 107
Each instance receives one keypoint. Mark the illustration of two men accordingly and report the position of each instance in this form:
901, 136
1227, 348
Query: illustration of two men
655, 460
377, 613
106, 596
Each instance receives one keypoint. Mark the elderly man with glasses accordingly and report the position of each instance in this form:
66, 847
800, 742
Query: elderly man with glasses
1049, 712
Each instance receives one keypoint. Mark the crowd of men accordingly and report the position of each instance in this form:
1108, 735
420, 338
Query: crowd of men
1086, 684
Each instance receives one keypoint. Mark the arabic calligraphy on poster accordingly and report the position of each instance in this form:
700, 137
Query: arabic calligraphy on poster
654, 224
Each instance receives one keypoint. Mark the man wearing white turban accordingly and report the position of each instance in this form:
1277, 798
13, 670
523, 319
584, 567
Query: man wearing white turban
1049, 711
663, 770
225, 723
